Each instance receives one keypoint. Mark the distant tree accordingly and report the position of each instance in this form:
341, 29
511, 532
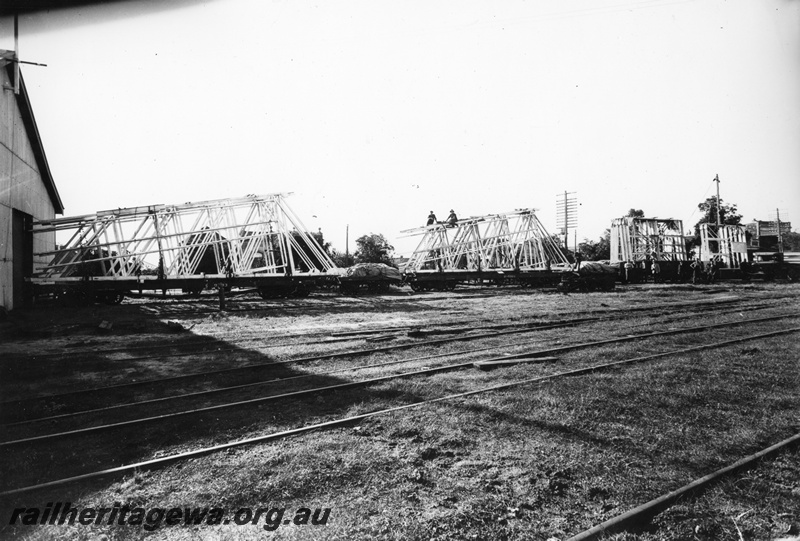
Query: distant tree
728, 215
374, 248
320, 238
341, 259
301, 244
634, 213
595, 251
558, 243
791, 242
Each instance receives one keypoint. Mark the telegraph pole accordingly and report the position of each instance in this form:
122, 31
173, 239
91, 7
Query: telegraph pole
716, 179
13, 56
566, 217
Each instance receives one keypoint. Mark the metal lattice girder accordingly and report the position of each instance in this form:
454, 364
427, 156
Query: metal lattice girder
638, 239
728, 243
509, 241
248, 236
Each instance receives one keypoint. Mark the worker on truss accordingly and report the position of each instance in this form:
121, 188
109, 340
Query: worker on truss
452, 219
431, 219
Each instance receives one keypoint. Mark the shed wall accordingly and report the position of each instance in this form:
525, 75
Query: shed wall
21, 188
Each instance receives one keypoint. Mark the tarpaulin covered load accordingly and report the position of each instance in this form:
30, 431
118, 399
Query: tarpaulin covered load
593, 268
377, 271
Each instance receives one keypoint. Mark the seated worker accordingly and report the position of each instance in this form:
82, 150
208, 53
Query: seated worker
431, 219
452, 219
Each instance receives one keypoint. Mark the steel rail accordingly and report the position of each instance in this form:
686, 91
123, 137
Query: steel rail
158, 462
235, 387
482, 292
212, 340
197, 345
571, 322
204, 340
707, 305
206, 306
479, 292
219, 390
348, 353
646, 511
370, 381
275, 363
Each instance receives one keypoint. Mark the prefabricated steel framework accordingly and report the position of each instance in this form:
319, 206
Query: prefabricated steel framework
728, 243
639, 239
484, 246
254, 240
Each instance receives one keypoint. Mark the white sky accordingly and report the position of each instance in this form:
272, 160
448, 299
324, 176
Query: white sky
374, 112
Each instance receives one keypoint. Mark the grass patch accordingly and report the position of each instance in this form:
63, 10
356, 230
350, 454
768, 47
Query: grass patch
531, 462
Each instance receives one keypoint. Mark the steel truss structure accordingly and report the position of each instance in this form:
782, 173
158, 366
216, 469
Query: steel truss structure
248, 237
495, 242
641, 239
728, 244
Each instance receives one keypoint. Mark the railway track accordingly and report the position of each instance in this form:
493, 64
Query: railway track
176, 307
625, 338
312, 376
313, 337
11, 406
300, 360
307, 387
159, 462
643, 513
283, 381
74, 355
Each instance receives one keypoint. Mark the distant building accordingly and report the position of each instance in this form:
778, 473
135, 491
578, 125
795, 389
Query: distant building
27, 190
766, 236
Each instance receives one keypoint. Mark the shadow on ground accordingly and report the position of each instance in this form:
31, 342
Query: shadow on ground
102, 361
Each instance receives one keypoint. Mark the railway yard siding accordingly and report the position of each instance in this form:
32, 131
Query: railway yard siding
371, 406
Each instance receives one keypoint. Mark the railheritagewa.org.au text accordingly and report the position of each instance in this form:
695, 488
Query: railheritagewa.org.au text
152, 518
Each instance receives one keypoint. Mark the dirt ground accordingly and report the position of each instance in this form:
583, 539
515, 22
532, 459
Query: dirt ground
541, 461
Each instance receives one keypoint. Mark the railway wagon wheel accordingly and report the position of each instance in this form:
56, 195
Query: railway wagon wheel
301, 290
193, 291
378, 287
114, 297
73, 297
422, 286
274, 292
348, 288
